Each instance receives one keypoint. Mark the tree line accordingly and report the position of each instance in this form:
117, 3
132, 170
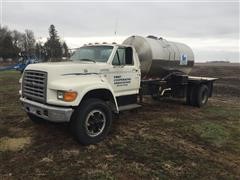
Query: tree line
14, 44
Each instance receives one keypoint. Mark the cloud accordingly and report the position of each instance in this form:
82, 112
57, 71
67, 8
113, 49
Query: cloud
204, 26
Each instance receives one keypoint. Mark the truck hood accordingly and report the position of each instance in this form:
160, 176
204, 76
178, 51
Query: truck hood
69, 68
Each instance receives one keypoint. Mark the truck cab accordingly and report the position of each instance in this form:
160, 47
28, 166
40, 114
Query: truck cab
122, 70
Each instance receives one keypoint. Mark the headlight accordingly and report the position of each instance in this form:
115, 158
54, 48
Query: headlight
67, 96
20, 88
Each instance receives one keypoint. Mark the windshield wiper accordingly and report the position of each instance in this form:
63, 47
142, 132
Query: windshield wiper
88, 60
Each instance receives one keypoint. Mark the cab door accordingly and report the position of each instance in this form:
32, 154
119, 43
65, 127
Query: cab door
124, 75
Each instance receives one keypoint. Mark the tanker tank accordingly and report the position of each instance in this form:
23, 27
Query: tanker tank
159, 57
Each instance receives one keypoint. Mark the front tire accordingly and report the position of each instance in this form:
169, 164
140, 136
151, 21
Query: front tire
91, 121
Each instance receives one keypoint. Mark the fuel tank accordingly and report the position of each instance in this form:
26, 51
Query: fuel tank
159, 57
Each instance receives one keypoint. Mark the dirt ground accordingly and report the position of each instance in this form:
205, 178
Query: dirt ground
162, 140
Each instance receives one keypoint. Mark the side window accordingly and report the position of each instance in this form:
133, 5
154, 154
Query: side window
129, 56
123, 56
115, 59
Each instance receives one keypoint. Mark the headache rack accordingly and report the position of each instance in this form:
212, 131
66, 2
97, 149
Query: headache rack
34, 85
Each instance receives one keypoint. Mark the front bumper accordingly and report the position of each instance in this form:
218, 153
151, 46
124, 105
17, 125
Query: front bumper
50, 113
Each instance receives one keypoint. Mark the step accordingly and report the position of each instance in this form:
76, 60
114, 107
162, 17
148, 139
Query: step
128, 107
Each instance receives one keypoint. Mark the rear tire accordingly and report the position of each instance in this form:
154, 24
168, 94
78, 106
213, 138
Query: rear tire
197, 95
202, 95
91, 121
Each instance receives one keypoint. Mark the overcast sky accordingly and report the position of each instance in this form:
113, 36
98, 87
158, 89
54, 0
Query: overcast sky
210, 28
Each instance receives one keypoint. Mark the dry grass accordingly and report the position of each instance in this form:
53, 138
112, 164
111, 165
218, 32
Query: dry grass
13, 144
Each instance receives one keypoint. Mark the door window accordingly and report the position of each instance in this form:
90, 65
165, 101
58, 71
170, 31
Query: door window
123, 56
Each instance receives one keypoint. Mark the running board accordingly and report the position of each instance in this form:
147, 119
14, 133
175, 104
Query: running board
128, 107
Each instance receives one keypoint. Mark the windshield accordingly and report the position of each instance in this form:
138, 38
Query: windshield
92, 53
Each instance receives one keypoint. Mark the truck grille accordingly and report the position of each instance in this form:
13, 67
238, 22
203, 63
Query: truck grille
34, 85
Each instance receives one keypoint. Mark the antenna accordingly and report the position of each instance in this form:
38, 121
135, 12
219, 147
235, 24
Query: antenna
115, 28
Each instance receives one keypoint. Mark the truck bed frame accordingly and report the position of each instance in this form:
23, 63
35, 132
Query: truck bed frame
177, 85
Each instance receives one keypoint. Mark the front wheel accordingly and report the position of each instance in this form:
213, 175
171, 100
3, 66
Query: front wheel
91, 121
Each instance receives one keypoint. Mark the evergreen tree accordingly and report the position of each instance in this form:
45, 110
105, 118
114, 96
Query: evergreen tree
7, 47
53, 45
40, 52
65, 50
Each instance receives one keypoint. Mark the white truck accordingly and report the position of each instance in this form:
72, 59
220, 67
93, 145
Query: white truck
102, 79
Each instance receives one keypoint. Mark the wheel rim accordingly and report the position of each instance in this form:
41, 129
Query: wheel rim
95, 123
204, 97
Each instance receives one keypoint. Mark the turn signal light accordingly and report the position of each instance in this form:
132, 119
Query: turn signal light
67, 96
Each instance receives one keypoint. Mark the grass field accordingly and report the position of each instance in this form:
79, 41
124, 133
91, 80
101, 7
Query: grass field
162, 140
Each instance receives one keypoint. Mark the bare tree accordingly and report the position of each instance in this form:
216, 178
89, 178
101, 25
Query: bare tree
29, 42
18, 39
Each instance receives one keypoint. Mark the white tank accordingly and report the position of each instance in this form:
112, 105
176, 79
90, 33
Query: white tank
159, 57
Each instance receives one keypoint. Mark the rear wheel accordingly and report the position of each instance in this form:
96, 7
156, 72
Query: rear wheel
197, 95
202, 96
91, 121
